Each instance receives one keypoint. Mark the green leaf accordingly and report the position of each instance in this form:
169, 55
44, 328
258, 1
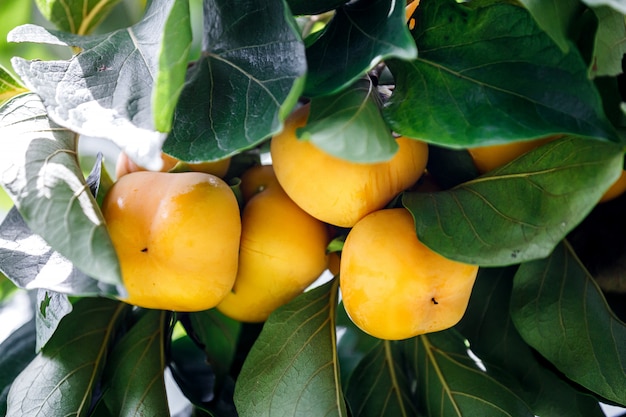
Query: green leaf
30, 263
292, 368
249, 77
173, 56
520, 211
378, 386
559, 310
42, 176
106, 90
51, 308
610, 42
16, 352
349, 125
75, 16
619, 5
9, 86
305, 7
555, 17
493, 338
490, 75
193, 375
450, 383
134, 382
61, 378
360, 35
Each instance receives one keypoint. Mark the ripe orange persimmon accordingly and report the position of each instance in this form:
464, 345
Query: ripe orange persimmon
219, 168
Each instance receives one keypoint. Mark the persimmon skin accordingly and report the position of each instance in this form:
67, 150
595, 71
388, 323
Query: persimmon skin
393, 286
337, 191
616, 189
490, 157
282, 252
219, 168
176, 236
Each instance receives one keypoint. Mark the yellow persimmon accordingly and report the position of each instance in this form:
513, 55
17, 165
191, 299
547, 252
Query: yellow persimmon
337, 191
393, 286
487, 158
176, 236
283, 250
219, 168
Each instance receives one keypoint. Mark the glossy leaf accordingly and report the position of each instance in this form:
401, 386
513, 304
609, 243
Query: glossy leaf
30, 263
173, 56
134, 384
520, 211
619, 5
349, 125
306, 7
51, 308
493, 338
75, 16
61, 378
360, 35
9, 86
450, 383
193, 374
106, 90
379, 387
292, 368
42, 175
488, 75
559, 310
610, 42
247, 80
556, 18
16, 352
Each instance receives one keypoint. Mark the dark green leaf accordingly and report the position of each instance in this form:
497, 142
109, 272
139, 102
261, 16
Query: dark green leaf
304, 7
520, 211
106, 90
349, 125
490, 75
16, 351
556, 18
51, 308
559, 310
75, 16
450, 167
248, 79
493, 338
352, 344
42, 175
450, 383
292, 368
9, 86
29, 262
379, 387
360, 35
191, 371
173, 56
134, 382
610, 42
61, 378
218, 336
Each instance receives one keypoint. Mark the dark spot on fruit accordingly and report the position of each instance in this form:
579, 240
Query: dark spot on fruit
434, 301
144, 250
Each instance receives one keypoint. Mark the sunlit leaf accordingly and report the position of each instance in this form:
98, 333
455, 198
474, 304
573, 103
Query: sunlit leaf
494, 339
489, 75
619, 5
51, 308
379, 387
41, 173
61, 378
520, 211
559, 310
450, 383
75, 16
292, 368
16, 352
9, 86
106, 90
610, 42
360, 35
134, 384
349, 125
248, 79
